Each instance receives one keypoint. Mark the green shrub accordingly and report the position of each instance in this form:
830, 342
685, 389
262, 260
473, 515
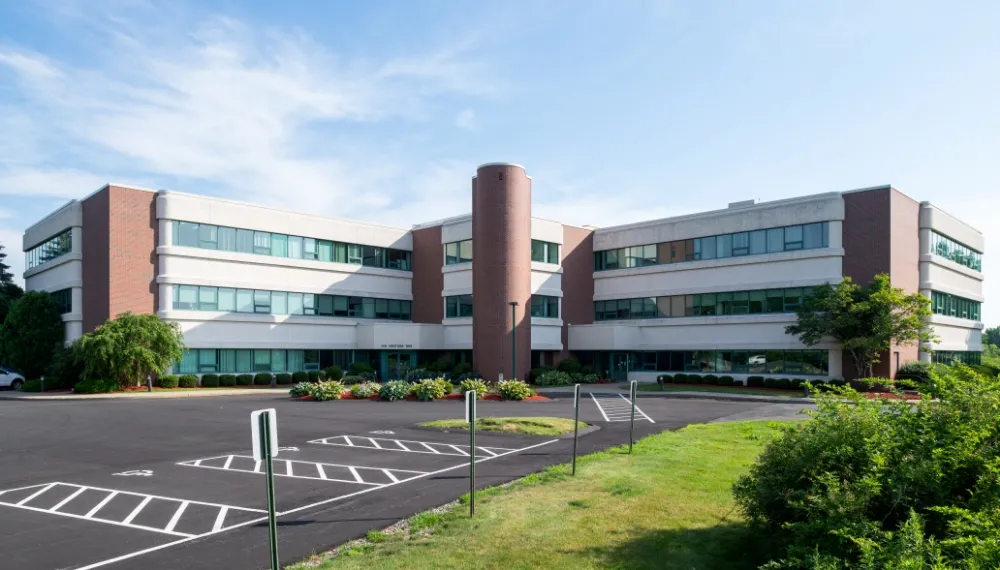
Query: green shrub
568, 365
427, 390
188, 381
96, 386
461, 368
695, 379
359, 368
755, 381
665, 379
334, 372
726, 381
210, 380
299, 377
710, 379
587, 369
590, 379
263, 379
327, 390
555, 378
349, 380
244, 380
227, 380
513, 390
32, 386
394, 390
443, 364
315, 375
300, 389
417, 374
883, 484
66, 367
169, 381
738, 383
770, 382
283, 378
479, 386
681, 379
837, 383
783, 384
915, 370
365, 390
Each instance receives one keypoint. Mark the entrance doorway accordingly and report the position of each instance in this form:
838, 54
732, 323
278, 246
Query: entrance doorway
619, 366
396, 364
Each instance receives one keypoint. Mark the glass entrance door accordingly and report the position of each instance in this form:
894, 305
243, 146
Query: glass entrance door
619, 366
397, 364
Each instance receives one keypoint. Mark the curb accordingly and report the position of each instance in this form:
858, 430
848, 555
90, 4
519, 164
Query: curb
144, 396
706, 396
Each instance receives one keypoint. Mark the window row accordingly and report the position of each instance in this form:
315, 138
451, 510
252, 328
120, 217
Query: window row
458, 306
229, 300
204, 236
545, 306
946, 247
458, 252
544, 252
49, 249
952, 306
969, 358
64, 298
705, 304
723, 361
225, 361
789, 238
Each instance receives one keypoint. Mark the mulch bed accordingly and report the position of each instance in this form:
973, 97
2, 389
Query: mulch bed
459, 397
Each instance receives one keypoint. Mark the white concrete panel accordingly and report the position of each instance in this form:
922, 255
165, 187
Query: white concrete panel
56, 275
940, 275
808, 209
546, 230
457, 336
457, 281
720, 334
944, 223
68, 216
456, 230
74, 330
603, 337
187, 207
957, 338
219, 330
545, 337
544, 283
227, 269
408, 336
767, 271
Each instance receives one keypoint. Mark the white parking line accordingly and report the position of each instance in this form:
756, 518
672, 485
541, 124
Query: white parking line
617, 408
177, 516
324, 471
74, 495
381, 443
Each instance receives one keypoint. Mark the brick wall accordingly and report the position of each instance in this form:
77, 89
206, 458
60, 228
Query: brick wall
428, 281
577, 281
95, 260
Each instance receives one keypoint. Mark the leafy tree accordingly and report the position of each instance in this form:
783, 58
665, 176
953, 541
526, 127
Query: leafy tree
32, 332
865, 320
992, 336
131, 347
8, 294
6, 277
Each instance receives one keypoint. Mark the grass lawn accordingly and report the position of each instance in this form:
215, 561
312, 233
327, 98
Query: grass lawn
668, 506
721, 389
526, 426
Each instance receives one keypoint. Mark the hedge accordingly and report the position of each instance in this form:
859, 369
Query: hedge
315, 375
244, 380
210, 381
283, 378
726, 381
188, 381
169, 381
300, 377
710, 379
227, 380
262, 379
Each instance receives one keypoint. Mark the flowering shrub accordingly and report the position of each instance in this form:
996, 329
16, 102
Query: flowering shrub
555, 378
394, 390
365, 390
513, 390
478, 386
432, 389
323, 391
300, 389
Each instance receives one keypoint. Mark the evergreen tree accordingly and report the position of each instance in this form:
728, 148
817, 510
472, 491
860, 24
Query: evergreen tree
6, 277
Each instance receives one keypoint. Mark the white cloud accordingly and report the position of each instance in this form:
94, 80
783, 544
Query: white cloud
251, 112
466, 119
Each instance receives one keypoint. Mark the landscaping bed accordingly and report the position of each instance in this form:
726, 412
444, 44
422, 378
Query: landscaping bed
720, 389
424, 390
523, 426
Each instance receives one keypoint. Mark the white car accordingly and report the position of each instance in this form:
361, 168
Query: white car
758, 360
10, 379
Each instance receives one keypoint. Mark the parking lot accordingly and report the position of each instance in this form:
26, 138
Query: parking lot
173, 483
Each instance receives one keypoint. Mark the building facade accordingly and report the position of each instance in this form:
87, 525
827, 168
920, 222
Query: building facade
258, 289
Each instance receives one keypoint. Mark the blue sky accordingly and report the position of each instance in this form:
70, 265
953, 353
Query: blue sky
381, 111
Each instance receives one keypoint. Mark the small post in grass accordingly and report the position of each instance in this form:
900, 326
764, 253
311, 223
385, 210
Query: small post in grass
633, 388
576, 422
149, 382
264, 436
42, 388
470, 417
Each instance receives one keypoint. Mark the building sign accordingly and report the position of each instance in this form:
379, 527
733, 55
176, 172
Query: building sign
396, 346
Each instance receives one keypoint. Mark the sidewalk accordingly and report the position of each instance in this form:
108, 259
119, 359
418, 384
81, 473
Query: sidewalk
65, 396
622, 388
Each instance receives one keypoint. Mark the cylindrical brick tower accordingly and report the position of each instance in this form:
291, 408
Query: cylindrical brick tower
501, 269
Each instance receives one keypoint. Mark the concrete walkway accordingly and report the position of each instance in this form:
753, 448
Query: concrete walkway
159, 395
622, 388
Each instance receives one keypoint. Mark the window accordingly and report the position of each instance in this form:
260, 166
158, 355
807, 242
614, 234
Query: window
814, 236
793, 300
372, 256
309, 250
227, 239
262, 361
793, 238
208, 360
294, 247
185, 298
775, 240
458, 252
208, 299
324, 305
724, 246
776, 301
741, 244
278, 361
245, 241
705, 248
953, 306
355, 254
758, 300
244, 301
399, 259
457, 306
545, 306
709, 304
758, 242
186, 234
279, 303
262, 243
227, 300
950, 357
295, 306
64, 299
547, 252
208, 237
948, 248
279, 245
262, 302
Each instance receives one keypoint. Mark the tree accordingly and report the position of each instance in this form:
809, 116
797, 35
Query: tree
32, 332
130, 347
865, 320
992, 336
8, 294
6, 277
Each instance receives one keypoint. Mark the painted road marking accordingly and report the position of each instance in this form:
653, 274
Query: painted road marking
109, 496
617, 408
384, 445
131, 555
317, 471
